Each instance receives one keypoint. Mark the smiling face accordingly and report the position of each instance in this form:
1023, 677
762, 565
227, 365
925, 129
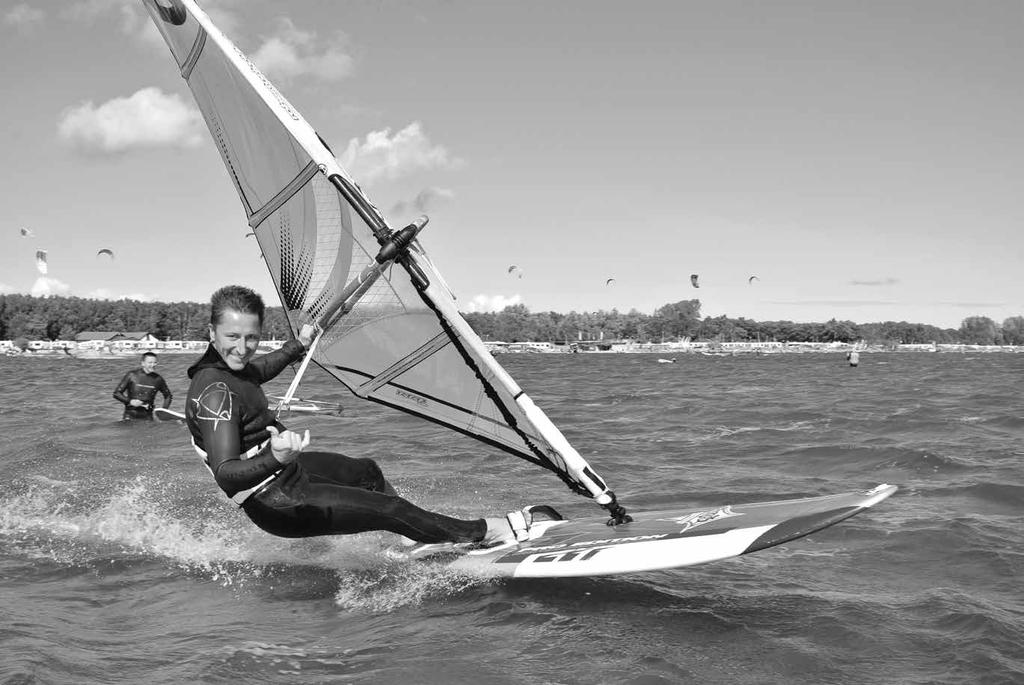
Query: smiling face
235, 337
148, 363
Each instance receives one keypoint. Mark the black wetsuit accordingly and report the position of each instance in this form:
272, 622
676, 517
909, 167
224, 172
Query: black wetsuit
320, 493
139, 385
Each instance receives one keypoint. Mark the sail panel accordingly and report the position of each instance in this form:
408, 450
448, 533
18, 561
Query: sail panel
439, 382
247, 133
307, 248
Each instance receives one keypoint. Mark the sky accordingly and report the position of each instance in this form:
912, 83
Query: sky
863, 159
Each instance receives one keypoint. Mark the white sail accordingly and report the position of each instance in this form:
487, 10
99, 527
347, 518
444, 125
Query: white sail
401, 340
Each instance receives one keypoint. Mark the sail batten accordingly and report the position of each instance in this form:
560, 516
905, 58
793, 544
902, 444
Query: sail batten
284, 194
393, 332
193, 55
402, 365
472, 417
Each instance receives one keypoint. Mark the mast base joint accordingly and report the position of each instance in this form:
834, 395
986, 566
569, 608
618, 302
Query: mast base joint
617, 511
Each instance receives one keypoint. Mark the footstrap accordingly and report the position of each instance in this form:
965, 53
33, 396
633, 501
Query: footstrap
545, 510
521, 520
519, 525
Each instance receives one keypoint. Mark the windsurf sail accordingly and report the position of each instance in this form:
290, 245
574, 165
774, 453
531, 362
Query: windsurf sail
391, 331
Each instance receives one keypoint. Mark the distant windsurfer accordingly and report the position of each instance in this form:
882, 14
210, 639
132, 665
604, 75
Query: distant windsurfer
285, 489
138, 388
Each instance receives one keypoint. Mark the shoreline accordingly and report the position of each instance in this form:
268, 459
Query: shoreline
498, 349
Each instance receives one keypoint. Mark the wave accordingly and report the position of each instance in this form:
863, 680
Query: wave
846, 458
1008, 494
981, 499
142, 524
976, 634
922, 461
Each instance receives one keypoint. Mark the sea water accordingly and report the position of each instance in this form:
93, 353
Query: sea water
120, 561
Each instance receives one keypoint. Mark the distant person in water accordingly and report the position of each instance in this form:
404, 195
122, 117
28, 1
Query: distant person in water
283, 487
138, 389
853, 356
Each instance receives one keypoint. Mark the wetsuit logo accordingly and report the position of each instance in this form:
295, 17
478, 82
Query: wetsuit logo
171, 11
214, 404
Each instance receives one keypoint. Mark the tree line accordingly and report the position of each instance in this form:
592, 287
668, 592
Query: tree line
682, 319
62, 318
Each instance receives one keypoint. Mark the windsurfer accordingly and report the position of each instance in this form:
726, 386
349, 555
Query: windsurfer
138, 389
285, 489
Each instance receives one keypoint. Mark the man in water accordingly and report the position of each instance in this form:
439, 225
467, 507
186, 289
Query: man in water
138, 389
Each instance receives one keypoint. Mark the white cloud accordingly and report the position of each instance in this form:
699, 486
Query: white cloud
133, 15
878, 281
23, 16
429, 198
90, 9
147, 118
107, 294
292, 52
490, 303
425, 200
131, 18
46, 286
384, 156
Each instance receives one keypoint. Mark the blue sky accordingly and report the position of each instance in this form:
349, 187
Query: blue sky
863, 159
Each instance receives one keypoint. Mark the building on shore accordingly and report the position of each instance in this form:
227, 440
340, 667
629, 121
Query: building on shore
101, 344
717, 348
115, 340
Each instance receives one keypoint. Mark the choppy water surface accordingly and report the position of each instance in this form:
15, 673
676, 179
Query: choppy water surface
120, 562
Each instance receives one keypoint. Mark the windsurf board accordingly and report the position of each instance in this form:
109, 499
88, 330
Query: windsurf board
655, 540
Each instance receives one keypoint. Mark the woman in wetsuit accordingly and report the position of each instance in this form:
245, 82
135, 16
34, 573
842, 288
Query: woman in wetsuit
266, 469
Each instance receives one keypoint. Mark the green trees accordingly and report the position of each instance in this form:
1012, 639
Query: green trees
980, 330
1013, 331
61, 318
678, 319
